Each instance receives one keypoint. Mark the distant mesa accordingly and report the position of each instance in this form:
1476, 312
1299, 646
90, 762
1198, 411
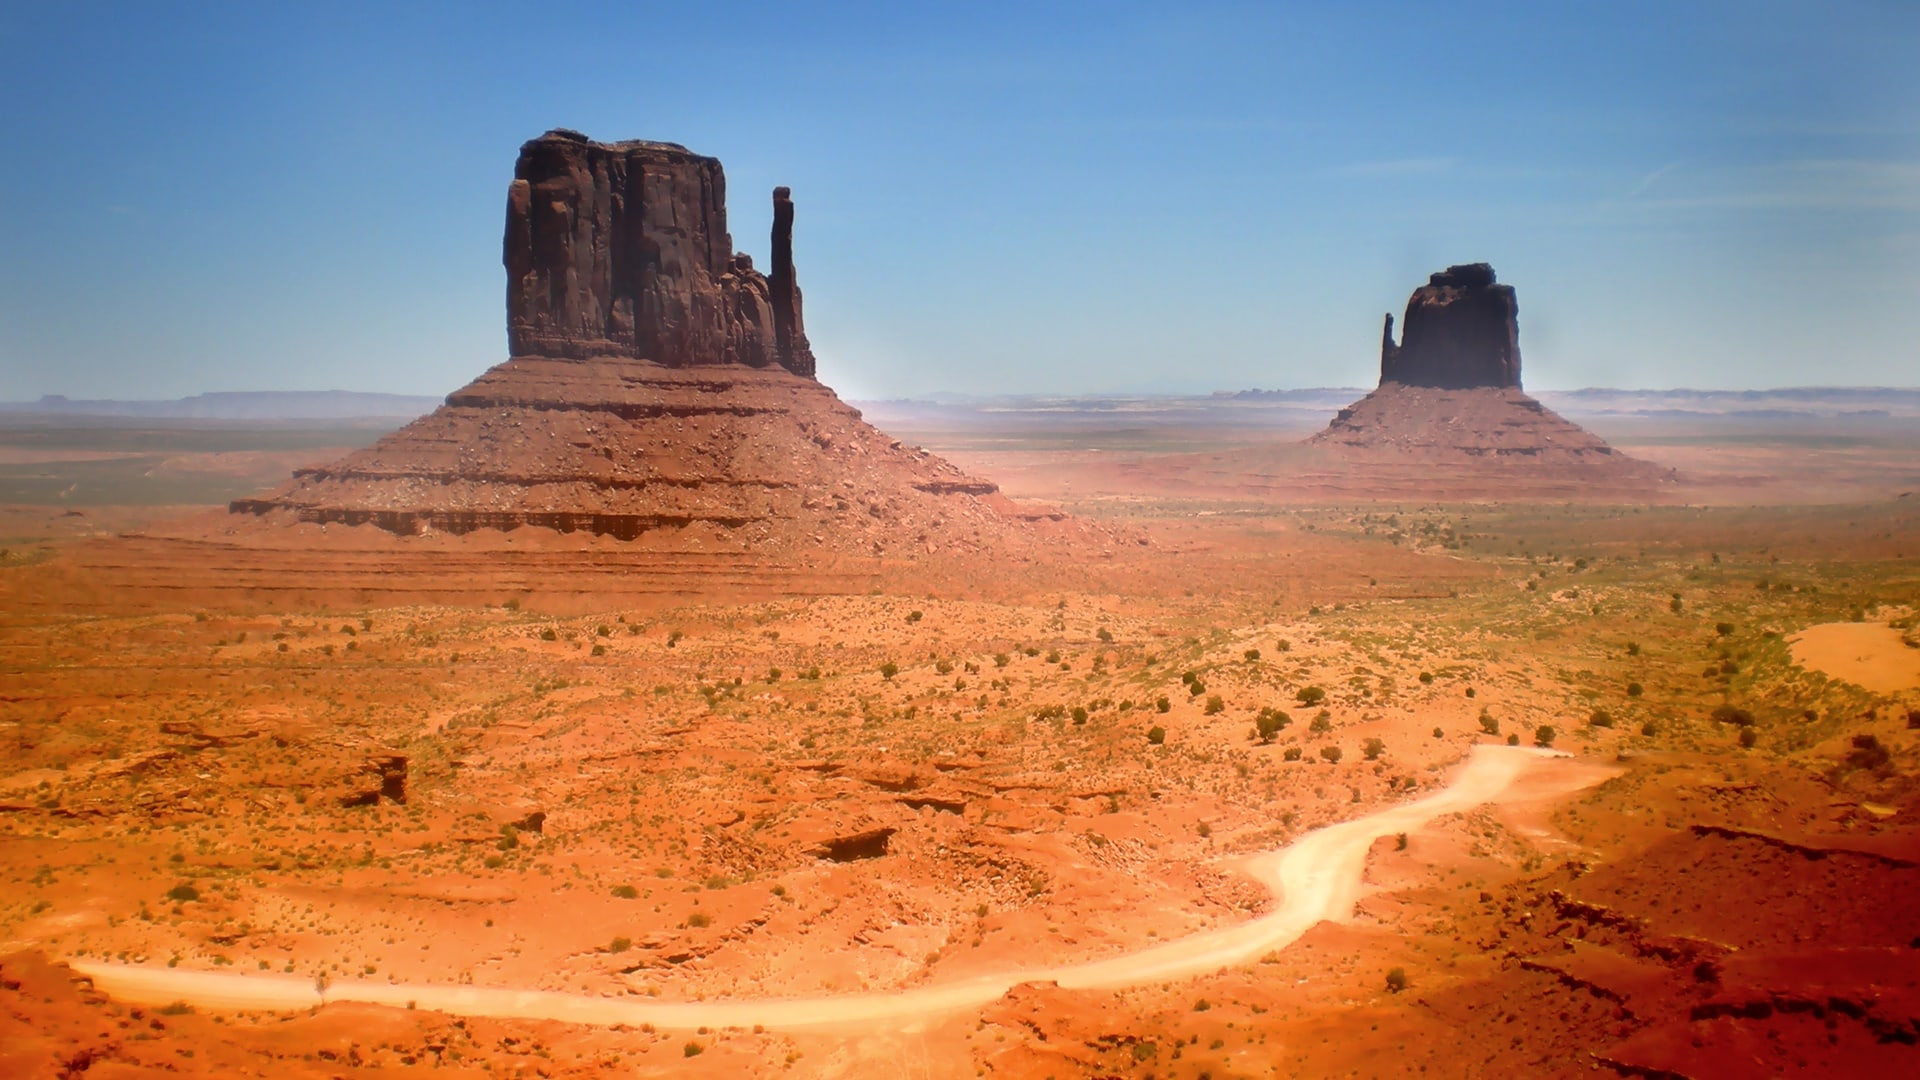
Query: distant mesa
1462, 331
658, 386
1450, 403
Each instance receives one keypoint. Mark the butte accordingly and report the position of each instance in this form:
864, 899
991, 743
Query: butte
1449, 417
657, 431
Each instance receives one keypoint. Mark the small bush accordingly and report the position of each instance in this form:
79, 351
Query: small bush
626, 892
1544, 735
1331, 753
1215, 705
1600, 718
1079, 714
1633, 648
1251, 654
1156, 735
1426, 678
889, 669
1396, 980
1724, 629
1321, 723
1513, 739
1488, 723
1439, 733
699, 920
1650, 729
1634, 689
1292, 753
619, 945
183, 893
692, 1049
1269, 723
1105, 635
1161, 704
1749, 737
1310, 695
1373, 748
1728, 714
1001, 659
1868, 753
915, 616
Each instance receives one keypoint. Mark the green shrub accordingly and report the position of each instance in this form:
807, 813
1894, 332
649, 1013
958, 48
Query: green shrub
889, 669
619, 945
1728, 714
1600, 718
1488, 723
626, 892
1215, 705
692, 1049
1426, 678
1749, 737
1310, 695
1270, 722
1331, 753
1634, 689
1161, 704
1292, 753
1079, 714
1396, 980
1373, 748
1544, 735
183, 893
1156, 735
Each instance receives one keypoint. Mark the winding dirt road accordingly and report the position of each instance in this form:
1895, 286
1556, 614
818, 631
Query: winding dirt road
1317, 877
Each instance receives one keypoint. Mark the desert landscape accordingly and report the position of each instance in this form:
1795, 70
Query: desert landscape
1065, 642
669, 717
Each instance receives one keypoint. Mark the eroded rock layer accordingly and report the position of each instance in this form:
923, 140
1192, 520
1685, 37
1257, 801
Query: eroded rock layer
622, 448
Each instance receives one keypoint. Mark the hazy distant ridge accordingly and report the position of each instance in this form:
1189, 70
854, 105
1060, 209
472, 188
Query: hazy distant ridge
239, 405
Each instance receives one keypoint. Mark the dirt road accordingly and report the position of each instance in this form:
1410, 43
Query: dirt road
1317, 877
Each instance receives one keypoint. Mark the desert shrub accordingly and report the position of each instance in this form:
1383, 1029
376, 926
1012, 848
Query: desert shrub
1053, 656
692, 1049
1513, 739
1331, 753
626, 892
1373, 748
889, 669
1215, 705
549, 634
599, 649
1600, 718
1633, 648
1396, 980
1749, 737
1868, 753
1426, 678
699, 920
1079, 714
183, 893
944, 667
1400, 842
1251, 654
1292, 753
1310, 695
1161, 704
1196, 688
1204, 830
1469, 691
620, 944
1728, 714
1913, 719
1634, 689
1001, 659
1724, 629
1105, 635
1650, 728
1270, 722
1676, 605
1156, 735
1283, 645
1488, 723
1322, 723
1544, 735
1439, 733
915, 616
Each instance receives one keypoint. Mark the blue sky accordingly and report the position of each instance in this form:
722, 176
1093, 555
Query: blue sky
1022, 198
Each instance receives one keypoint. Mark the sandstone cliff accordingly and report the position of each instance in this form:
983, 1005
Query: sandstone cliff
622, 249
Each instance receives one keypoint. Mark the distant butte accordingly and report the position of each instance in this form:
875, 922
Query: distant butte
658, 383
1449, 404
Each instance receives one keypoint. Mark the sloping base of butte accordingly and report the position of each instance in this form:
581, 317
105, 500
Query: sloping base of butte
750, 458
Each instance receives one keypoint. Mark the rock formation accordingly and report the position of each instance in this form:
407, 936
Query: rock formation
659, 387
622, 249
1461, 331
1449, 414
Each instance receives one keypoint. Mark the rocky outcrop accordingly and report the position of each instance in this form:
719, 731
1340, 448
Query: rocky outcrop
1462, 331
622, 249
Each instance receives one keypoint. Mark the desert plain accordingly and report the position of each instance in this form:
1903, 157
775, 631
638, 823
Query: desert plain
1572, 783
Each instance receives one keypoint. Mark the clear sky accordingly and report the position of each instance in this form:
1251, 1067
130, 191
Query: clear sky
1099, 197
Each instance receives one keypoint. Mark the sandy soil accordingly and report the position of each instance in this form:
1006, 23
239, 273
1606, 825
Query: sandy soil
1873, 656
